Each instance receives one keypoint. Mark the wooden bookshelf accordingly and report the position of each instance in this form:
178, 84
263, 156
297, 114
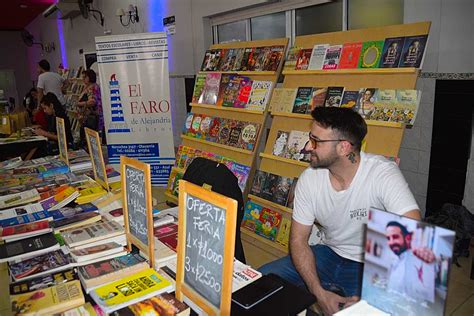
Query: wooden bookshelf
223, 108
383, 137
269, 204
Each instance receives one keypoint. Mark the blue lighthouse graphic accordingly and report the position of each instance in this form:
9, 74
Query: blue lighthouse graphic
118, 123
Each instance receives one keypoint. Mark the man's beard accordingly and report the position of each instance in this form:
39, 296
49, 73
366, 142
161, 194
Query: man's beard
398, 249
317, 162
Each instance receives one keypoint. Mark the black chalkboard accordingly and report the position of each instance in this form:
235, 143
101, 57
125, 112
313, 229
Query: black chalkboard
136, 200
205, 235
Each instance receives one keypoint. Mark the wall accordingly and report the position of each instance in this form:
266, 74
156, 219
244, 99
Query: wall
13, 56
449, 50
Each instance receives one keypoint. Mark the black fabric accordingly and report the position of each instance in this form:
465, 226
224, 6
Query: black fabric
51, 119
223, 181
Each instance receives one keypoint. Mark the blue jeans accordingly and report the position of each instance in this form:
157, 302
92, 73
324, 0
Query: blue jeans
336, 274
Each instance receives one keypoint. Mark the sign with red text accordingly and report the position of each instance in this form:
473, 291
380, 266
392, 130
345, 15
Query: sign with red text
134, 79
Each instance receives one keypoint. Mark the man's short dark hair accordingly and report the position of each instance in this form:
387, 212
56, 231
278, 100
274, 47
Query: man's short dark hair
89, 73
44, 64
397, 224
348, 123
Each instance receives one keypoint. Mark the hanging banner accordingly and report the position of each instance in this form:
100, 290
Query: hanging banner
135, 97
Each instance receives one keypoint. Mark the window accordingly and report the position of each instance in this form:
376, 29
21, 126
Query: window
229, 32
319, 18
373, 13
268, 26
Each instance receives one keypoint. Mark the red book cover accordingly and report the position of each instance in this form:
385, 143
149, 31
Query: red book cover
24, 228
244, 93
165, 230
350, 55
303, 59
171, 241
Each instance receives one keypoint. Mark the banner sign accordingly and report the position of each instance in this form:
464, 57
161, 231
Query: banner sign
135, 97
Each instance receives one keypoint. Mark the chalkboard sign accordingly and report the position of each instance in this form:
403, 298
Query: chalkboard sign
95, 151
62, 141
137, 211
206, 240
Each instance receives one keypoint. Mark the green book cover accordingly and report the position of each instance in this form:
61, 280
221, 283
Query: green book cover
371, 54
198, 86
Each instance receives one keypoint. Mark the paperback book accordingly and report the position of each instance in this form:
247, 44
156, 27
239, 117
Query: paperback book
331, 59
317, 56
391, 53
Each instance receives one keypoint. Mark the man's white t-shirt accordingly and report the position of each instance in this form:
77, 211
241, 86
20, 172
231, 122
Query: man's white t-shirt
341, 215
51, 82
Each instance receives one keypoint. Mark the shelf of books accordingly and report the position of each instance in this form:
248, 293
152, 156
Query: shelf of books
74, 91
229, 108
373, 71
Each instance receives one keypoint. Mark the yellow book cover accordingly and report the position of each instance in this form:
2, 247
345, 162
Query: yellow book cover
284, 233
130, 290
48, 301
90, 194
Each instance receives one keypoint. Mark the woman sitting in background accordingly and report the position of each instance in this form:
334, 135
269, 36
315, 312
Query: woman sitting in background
53, 109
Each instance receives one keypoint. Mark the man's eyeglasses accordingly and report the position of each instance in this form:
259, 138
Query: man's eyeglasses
314, 140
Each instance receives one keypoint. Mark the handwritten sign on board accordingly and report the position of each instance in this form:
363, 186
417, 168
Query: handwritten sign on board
62, 141
95, 152
206, 239
137, 210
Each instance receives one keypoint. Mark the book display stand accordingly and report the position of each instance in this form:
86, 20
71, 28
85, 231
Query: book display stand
239, 154
383, 138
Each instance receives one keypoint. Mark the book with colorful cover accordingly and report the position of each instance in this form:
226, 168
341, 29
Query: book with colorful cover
291, 58
235, 133
266, 191
43, 282
244, 93
130, 290
365, 102
224, 131
317, 56
240, 171
88, 253
195, 124
406, 106
297, 141
107, 267
391, 53
24, 230
334, 96
26, 218
239, 54
204, 127
61, 199
245, 58
413, 51
302, 63
350, 55
318, 98
349, 99
48, 301
386, 100
370, 54
225, 79
227, 60
77, 220
262, 58
211, 89
231, 91
92, 232
260, 94
276, 55
40, 265
198, 87
281, 189
165, 230
211, 60
175, 185
20, 198
280, 146
258, 183
251, 215
252, 58
331, 59
187, 124
248, 136
20, 210
161, 305
69, 211
283, 235
302, 100
268, 223
214, 129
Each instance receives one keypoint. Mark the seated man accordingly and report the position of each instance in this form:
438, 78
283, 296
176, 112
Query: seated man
336, 192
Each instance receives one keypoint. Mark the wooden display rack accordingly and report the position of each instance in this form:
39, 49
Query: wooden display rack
383, 138
242, 156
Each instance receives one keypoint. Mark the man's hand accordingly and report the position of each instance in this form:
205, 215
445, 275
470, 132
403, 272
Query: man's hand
39, 131
425, 254
330, 302
351, 301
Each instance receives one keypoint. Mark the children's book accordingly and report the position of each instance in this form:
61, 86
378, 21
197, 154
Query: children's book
386, 100
370, 54
317, 56
297, 141
406, 106
130, 290
391, 53
331, 59
350, 55
248, 136
251, 215
261, 91
198, 87
211, 89
283, 235
268, 223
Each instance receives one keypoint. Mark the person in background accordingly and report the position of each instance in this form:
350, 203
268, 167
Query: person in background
90, 104
49, 81
336, 192
30, 102
53, 109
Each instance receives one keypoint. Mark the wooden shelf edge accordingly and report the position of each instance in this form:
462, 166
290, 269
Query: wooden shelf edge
285, 160
248, 73
293, 115
267, 242
198, 140
223, 108
270, 204
178, 169
352, 71
385, 124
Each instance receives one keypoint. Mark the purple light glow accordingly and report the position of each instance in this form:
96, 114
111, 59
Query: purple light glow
62, 43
